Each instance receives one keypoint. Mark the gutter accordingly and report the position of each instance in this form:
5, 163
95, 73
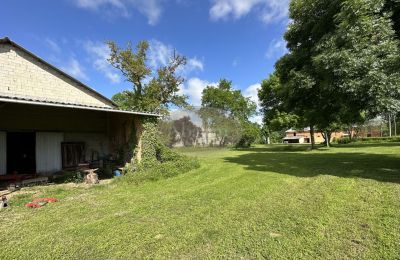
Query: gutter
39, 103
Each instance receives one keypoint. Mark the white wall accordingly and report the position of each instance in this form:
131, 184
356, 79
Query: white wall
3, 153
48, 152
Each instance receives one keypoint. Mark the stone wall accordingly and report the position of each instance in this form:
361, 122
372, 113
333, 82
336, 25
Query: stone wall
24, 76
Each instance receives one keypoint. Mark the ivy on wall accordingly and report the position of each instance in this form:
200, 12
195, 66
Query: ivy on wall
157, 160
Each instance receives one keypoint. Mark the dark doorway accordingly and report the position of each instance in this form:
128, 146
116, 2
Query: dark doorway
21, 153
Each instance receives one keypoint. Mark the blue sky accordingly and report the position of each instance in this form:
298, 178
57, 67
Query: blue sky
235, 39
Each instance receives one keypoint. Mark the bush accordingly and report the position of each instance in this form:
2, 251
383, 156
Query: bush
158, 161
378, 139
69, 176
385, 139
250, 133
168, 164
344, 140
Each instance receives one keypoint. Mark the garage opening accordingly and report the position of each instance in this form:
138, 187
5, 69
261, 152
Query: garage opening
21, 156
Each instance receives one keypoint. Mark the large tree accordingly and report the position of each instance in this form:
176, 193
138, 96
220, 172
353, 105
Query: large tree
226, 112
276, 116
342, 61
393, 6
152, 88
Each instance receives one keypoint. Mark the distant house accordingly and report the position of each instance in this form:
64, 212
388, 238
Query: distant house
294, 136
50, 121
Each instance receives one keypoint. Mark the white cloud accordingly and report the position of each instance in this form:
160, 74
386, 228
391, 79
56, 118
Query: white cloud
160, 54
252, 92
276, 49
150, 8
74, 68
193, 88
235, 63
99, 53
52, 45
194, 64
269, 11
257, 119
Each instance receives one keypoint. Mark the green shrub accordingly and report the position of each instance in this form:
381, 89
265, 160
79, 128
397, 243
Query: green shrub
344, 140
69, 176
385, 139
250, 133
168, 164
378, 139
158, 161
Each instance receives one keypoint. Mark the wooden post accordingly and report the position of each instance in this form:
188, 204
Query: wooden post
139, 133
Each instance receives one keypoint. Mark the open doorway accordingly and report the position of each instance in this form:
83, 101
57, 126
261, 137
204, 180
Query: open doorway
21, 153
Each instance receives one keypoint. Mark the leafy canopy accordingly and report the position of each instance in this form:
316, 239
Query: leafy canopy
151, 90
227, 112
343, 61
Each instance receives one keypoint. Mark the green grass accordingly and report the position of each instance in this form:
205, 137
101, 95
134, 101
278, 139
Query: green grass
281, 202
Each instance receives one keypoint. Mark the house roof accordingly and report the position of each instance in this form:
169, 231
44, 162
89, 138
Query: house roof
291, 130
293, 137
29, 100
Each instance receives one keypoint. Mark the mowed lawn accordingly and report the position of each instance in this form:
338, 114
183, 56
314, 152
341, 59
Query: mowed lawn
276, 202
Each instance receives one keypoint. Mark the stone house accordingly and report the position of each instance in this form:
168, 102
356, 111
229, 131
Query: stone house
50, 121
303, 136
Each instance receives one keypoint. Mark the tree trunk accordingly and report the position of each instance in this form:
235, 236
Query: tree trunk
350, 132
327, 139
395, 125
390, 125
312, 137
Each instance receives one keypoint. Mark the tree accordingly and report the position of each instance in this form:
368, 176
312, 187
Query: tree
151, 90
229, 101
362, 57
250, 133
343, 61
225, 111
186, 132
271, 96
393, 6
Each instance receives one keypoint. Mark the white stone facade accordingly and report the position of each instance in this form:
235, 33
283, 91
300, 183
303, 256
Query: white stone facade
24, 76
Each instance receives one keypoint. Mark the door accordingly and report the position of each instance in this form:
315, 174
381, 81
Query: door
72, 154
3, 153
48, 152
21, 157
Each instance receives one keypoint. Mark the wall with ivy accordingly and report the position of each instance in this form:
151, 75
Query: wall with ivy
157, 160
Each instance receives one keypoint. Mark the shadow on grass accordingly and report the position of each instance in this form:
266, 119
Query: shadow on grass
380, 167
366, 145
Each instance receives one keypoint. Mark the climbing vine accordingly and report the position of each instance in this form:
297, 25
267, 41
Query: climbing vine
157, 160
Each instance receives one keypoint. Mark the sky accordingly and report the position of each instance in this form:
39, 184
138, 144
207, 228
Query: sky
239, 40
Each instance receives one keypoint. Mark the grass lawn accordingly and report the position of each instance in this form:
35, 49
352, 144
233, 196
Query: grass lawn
279, 202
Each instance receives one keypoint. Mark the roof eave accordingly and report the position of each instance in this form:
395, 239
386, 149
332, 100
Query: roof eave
72, 106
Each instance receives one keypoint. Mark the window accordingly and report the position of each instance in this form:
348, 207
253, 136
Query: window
72, 154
